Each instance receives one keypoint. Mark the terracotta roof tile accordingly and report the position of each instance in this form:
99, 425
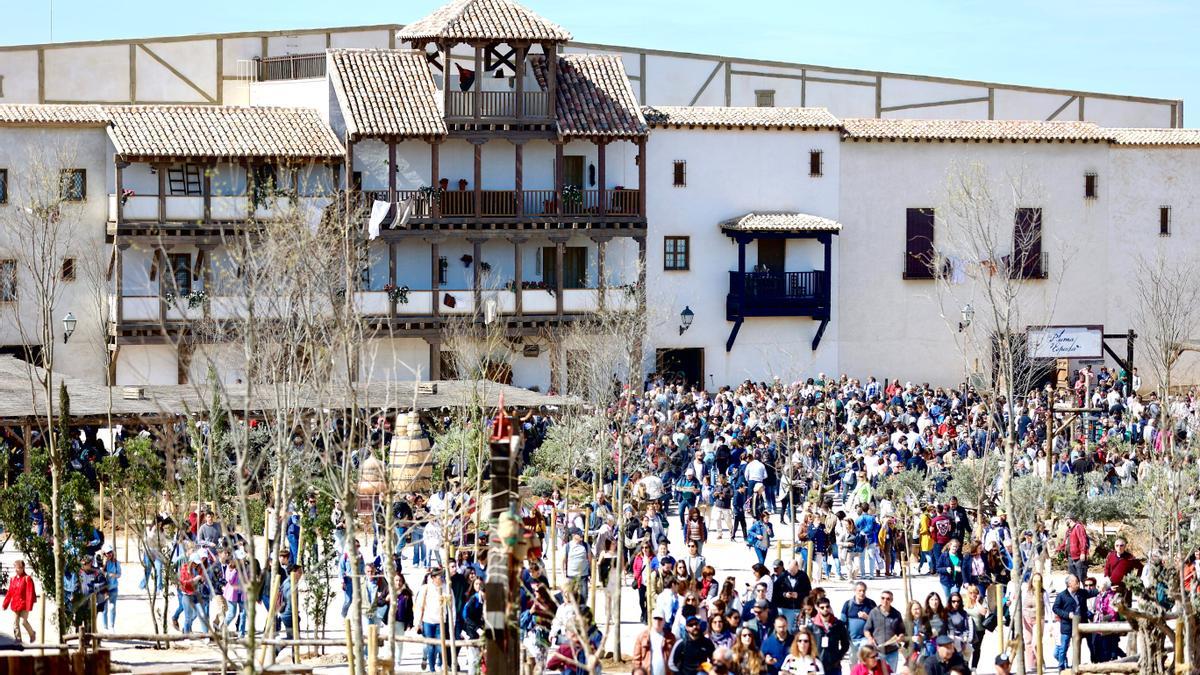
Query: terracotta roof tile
1163, 137
594, 97
730, 117
18, 114
484, 20
971, 130
780, 222
386, 92
221, 131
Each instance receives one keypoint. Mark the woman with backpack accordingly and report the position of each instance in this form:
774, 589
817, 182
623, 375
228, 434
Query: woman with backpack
759, 536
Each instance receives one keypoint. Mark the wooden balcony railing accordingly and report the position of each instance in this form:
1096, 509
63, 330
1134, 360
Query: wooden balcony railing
291, 67
504, 203
777, 293
461, 104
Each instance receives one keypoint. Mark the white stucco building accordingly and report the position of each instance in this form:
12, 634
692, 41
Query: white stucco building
792, 209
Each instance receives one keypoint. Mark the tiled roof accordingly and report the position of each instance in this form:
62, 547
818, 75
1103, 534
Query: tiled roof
19, 114
221, 131
386, 92
971, 130
780, 222
484, 20
1167, 137
728, 117
594, 97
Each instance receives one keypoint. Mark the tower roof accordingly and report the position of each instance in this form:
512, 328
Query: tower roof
484, 20
386, 92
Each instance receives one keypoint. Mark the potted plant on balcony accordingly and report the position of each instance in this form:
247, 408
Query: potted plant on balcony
196, 299
572, 197
397, 294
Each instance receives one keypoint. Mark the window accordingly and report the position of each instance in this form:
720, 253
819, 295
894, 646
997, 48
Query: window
764, 98
675, 253
1089, 185
73, 185
8, 280
68, 269
814, 162
180, 282
680, 173
3, 186
919, 255
1026, 260
1164, 221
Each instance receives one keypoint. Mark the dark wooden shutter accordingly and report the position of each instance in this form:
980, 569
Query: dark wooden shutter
918, 244
1027, 242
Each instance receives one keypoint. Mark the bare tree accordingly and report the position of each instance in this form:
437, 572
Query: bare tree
1166, 295
41, 227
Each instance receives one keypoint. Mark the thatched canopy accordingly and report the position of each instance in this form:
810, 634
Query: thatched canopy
21, 403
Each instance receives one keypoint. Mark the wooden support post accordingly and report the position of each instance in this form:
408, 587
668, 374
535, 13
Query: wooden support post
518, 270
477, 273
446, 56
478, 198
519, 178
435, 358
601, 282
349, 179
519, 106
1039, 625
392, 171
120, 170
1076, 638
558, 176
435, 173
999, 609
642, 177
551, 51
560, 247
603, 185
434, 286
119, 284
478, 83
641, 243
502, 638
162, 193
392, 276
207, 192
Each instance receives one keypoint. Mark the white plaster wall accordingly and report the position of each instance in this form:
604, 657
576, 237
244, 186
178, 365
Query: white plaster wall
730, 173
147, 364
394, 359
292, 93
20, 76
894, 327
194, 60
81, 237
87, 74
531, 371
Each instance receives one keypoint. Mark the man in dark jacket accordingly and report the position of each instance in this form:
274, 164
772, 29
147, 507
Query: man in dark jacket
1069, 604
693, 651
945, 659
855, 613
885, 630
833, 640
960, 522
791, 588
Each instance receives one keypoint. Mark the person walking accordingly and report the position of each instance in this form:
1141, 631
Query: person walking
1070, 604
831, 638
884, 630
234, 596
1076, 545
21, 596
430, 609
652, 649
112, 576
759, 536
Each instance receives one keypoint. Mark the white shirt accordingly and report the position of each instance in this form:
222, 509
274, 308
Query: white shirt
658, 665
756, 471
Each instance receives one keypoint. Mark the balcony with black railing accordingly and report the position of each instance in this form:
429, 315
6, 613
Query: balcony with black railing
778, 294
431, 207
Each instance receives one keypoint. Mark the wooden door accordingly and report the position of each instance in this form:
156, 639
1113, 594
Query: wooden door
771, 254
573, 170
574, 266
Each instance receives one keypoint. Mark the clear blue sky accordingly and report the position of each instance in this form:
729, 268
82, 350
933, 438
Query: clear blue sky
1136, 47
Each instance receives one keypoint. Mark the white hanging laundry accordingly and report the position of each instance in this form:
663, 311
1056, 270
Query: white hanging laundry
958, 271
379, 215
406, 208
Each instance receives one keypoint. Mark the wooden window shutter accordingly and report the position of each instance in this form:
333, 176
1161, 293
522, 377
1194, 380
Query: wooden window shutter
918, 244
680, 173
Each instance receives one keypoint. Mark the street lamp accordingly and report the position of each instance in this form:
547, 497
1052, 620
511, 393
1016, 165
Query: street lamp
68, 327
968, 315
685, 319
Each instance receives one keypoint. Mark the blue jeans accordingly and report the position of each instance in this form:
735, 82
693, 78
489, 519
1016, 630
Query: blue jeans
892, 658
237, 608
179, 605
433, 653
110, 610
191, 610
1060, 652
867, 558
147, 565
762, 555
420, 555
950, 589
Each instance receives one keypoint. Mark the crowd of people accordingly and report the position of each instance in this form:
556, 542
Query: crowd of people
806, 463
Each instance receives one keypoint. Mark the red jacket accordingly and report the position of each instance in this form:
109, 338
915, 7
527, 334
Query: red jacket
21, 594
1077, 542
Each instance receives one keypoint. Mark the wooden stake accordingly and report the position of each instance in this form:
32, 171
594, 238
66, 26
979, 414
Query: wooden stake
1002, 643
372, 649
1039, 618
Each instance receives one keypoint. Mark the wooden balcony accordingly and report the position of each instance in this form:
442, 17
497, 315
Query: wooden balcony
778, 294
290, 67
493, 105
458, 206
